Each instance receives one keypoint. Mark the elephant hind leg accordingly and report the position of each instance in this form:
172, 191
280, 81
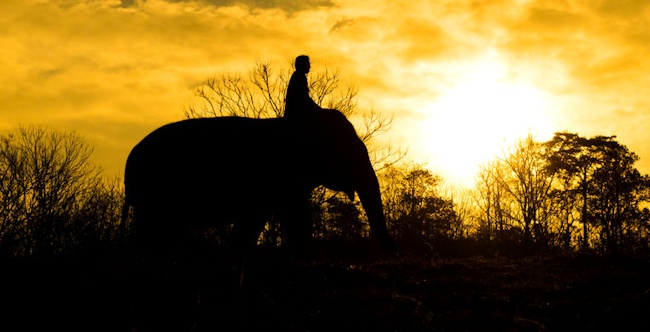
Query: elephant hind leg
156, 232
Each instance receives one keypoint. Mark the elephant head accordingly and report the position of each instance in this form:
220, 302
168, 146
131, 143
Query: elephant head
203, 172
343, 164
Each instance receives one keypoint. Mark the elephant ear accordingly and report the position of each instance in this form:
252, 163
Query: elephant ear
350, 195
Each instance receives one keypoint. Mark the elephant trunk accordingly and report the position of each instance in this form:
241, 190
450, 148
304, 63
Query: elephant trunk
370, 197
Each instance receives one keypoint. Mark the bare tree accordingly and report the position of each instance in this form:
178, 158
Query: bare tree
49, 190
514, 193
466, 210
261, 94
529, 185
492, 201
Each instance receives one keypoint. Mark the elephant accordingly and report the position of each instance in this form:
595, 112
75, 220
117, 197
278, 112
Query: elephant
205, 172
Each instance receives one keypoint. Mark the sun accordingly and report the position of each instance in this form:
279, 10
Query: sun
477, 118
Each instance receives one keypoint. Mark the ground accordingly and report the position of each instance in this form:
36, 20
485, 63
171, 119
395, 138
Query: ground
540, 293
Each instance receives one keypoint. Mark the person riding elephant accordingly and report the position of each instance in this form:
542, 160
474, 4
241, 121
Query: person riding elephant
298, 102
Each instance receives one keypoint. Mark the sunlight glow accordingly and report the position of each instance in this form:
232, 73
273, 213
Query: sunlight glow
480, 116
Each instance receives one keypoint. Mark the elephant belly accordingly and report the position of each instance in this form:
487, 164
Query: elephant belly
210, 203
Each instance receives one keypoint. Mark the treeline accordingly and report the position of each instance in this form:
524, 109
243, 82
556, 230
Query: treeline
569, 193
566, 195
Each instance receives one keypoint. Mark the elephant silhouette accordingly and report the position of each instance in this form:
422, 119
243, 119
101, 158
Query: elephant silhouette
207, 172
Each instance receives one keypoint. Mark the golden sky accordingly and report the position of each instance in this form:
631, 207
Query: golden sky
462, 78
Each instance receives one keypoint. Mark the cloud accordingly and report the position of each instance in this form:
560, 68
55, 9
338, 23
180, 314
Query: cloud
621, 8
285, 5
593, 42
591, 54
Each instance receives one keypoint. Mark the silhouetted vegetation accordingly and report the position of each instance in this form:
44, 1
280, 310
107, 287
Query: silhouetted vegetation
570, 193
261, 93
54, 200
416, 211
566, 195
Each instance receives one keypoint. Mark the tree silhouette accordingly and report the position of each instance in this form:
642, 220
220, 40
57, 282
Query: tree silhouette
617, 191
342, 221
571, 159
600, 171
414, 207
261, 94
529, 185
53, 199
493, 202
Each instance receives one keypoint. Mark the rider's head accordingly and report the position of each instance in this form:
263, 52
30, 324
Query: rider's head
302, 64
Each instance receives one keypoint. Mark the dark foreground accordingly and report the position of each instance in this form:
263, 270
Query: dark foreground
398, 294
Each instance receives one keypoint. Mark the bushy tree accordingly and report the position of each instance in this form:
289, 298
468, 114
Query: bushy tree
341, 219
600, 171
414, 209
572, 160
